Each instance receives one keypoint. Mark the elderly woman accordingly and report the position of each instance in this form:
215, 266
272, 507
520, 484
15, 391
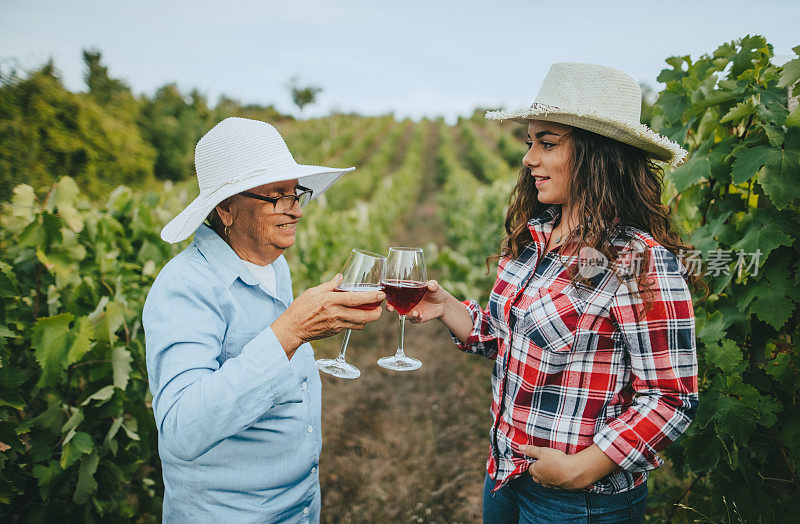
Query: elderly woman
590, 321
236, 393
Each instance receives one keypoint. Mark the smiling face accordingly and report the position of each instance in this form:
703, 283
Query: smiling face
549, 160
256, 233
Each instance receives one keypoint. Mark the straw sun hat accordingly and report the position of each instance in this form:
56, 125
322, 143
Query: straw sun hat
236, 155
596, 98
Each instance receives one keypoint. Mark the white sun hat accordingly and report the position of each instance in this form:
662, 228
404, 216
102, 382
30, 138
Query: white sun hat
236, 155
597, 98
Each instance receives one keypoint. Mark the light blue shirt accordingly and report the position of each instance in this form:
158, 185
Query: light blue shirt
238, 422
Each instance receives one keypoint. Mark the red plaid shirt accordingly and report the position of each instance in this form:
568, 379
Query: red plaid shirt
574, 368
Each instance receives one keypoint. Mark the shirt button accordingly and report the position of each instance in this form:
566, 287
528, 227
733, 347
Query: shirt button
306, 511
310, 429
305, 385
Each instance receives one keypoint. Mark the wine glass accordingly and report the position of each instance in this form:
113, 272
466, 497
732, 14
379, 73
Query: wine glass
363, 271
405, 286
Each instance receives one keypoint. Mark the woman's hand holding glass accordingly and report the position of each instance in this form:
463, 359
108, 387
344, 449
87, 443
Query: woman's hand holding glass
363, 274
321, 312
438, 303
432, 306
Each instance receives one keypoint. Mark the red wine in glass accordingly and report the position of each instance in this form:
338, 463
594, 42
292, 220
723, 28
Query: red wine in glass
405, 285
359, 287
403, 295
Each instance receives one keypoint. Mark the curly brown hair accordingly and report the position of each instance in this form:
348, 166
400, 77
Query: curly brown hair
610, 180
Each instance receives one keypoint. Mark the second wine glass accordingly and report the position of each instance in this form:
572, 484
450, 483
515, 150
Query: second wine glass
363, 271
405, 286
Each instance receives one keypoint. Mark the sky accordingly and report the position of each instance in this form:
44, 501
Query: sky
413, 58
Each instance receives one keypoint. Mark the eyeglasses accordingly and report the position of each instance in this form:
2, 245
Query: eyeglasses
284, 203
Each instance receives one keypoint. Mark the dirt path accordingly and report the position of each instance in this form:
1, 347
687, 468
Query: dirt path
406, 447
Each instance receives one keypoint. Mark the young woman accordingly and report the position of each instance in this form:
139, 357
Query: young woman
590, 321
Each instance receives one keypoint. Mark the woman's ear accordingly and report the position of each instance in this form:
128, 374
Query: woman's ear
225, 211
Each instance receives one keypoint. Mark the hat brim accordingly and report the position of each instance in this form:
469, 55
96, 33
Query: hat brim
316, 178
640, 136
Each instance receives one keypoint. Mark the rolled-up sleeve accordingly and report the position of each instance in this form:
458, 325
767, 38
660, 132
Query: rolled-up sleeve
198, 402
663, 357
482, 340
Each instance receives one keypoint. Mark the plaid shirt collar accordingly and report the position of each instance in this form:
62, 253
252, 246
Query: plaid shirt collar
541, 227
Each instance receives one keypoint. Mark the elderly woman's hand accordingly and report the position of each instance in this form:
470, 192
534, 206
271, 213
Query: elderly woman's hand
321, 312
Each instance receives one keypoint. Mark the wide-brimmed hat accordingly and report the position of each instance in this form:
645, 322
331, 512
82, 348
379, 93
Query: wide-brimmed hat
236, 155
597, 98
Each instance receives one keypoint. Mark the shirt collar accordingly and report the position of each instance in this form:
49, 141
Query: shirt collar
222, 258
542, 226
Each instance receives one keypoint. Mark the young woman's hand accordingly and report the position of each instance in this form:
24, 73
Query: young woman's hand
432, 306
438, 303
556, 469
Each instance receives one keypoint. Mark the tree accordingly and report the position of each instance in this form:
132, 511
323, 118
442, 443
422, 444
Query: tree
102, 87
48, 131
303, 95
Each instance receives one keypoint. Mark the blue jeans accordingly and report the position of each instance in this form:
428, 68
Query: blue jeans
525, 501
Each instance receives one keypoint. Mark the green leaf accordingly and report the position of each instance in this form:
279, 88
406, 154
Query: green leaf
725, 355
108, 441
790, 73
772, 112
781, 176
677, 72
50, 343
52, 419
695, 171
749, 52
45, 477
86, 483
109, 323
58, 264
11, 378
71, 217
82, 340
131, 426
101, 394
674, 105
704, 238
121, 364
702, 451
772, 298
711, 329
763, 231
80, 444
793, 119
73, 422
749, 161
733, 421
775, 135
740, 111
783, 370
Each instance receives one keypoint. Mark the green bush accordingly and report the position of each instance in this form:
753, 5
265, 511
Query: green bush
738, 193
78, 433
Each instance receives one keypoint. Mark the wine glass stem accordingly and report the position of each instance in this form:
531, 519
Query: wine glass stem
400, 352
340, 357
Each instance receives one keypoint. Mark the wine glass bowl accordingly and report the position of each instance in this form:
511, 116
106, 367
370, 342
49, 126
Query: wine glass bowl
405, 285
363, 272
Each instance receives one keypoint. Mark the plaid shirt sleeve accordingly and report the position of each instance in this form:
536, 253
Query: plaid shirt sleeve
483, 337
663, 359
